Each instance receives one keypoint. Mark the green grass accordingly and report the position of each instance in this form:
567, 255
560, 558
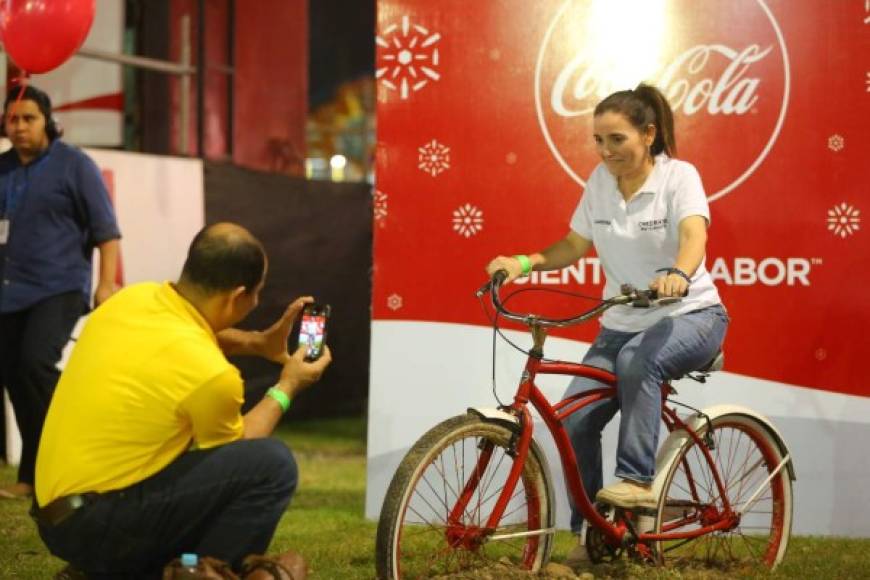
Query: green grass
325, 523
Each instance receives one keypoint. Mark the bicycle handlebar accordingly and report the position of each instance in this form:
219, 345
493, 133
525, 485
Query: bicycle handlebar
628, 295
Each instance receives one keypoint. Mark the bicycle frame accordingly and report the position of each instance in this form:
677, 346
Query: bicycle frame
553, 417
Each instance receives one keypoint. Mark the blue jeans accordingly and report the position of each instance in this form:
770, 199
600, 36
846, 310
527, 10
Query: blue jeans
223, 502
642, 361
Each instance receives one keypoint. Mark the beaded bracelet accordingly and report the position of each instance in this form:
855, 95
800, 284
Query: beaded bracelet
676, 271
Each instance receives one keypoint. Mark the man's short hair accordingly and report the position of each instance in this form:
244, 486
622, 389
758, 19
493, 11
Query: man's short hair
222, 259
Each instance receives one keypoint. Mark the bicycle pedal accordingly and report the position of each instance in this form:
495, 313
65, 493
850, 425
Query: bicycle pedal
605, 509
645, 523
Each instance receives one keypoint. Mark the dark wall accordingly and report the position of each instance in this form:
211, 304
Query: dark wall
318, 236
341, 47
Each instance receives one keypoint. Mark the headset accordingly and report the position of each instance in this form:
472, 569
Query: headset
42, 100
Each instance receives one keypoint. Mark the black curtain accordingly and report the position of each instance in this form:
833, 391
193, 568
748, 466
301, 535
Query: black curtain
318, 237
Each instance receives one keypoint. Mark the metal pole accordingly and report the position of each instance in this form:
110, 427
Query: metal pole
184, 109
200, 79
231, 78
137, 61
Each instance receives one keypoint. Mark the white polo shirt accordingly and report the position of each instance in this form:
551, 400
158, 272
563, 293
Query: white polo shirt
635, 239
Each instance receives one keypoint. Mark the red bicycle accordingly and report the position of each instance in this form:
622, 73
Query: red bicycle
476, 489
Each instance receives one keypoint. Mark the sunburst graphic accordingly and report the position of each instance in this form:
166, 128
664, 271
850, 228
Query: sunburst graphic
434, 158
380, 207
409, 58
844, 220
467, 220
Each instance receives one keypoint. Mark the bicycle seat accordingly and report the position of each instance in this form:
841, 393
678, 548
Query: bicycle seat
714, 365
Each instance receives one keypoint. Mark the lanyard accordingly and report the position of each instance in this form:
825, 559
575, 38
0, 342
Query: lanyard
14, 192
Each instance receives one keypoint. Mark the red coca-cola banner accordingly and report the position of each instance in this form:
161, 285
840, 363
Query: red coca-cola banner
484, 145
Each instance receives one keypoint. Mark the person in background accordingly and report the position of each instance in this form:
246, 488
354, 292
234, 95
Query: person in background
145, 454
54, 210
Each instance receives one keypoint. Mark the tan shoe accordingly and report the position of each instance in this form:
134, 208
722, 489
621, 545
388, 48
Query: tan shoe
577, 556
628, 494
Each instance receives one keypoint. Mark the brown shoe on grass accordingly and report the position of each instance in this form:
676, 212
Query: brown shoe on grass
16, 491
287, 566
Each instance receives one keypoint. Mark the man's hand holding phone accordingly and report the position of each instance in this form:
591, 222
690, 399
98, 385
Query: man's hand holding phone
299, 373
307, 363
273, 340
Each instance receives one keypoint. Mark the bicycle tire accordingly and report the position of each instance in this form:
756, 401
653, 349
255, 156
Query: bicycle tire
745, 453
407, 549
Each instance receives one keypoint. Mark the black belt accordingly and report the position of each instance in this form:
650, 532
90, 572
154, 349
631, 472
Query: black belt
61, 508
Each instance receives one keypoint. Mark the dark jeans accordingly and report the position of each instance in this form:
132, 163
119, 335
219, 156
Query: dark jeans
223, 502
31, 343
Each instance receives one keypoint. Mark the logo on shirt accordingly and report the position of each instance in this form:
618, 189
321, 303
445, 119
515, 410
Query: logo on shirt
653, 225
730, 84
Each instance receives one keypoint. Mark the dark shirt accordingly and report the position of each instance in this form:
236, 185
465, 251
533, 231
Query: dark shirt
59, 210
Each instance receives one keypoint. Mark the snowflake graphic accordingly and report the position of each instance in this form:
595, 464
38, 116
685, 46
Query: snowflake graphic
844, 220
868, 82
467, 220
836, 143
394, 302
380, 207
408, 59
434, 158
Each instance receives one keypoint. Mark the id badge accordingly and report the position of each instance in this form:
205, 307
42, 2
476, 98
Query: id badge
4, 231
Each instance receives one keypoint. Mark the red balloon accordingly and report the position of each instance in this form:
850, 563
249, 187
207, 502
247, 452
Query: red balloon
4, 17
40, 35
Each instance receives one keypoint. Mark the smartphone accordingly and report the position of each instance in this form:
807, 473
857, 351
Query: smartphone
312, 330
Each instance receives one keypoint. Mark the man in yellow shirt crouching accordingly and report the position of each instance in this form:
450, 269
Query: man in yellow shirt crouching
145, 454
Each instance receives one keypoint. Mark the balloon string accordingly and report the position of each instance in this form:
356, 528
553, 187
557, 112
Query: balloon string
21, 81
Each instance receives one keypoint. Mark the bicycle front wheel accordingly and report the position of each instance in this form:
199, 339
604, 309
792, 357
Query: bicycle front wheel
745, 455
464, 461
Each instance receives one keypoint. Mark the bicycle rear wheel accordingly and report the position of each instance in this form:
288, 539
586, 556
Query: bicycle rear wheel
745, 455
416, 537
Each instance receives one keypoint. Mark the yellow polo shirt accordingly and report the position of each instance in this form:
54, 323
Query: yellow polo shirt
145, 381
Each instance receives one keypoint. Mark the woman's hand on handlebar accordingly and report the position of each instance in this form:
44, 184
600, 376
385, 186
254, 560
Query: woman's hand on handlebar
670, 286
507, 263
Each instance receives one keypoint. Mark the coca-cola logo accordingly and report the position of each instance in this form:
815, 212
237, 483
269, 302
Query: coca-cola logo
722, 65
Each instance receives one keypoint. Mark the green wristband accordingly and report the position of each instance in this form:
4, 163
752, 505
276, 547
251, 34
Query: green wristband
280, 397
525, 263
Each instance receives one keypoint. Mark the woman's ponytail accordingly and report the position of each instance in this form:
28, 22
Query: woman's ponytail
665, 141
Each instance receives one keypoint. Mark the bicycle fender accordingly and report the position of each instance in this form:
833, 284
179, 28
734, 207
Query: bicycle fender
677, 439
490, 415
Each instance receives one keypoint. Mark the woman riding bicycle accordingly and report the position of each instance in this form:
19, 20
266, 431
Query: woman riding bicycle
646, 214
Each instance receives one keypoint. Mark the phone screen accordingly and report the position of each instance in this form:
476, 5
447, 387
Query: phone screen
312, 330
